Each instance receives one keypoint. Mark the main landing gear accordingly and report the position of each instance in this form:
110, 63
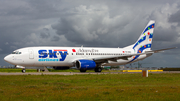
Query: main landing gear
82, 70
23, 70
98, 69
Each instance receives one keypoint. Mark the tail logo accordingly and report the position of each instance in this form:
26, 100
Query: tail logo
145, 40
144, 37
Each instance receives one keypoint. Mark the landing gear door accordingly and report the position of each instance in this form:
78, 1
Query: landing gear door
31, 54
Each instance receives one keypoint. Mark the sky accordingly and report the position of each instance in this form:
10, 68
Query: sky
91, 23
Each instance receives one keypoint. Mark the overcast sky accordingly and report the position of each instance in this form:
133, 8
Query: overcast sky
91, 23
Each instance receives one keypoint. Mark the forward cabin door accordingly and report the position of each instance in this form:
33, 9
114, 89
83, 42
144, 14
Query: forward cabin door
31, 54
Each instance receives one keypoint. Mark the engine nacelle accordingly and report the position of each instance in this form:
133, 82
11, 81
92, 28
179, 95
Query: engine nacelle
60, 67
85, 64
17, 66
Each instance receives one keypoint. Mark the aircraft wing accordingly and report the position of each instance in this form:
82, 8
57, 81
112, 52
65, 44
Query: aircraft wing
125, 57
160, 50
115, 58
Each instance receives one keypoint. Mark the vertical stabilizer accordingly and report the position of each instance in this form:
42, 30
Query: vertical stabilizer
145, 40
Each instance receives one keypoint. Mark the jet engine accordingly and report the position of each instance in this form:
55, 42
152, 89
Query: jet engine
85, 64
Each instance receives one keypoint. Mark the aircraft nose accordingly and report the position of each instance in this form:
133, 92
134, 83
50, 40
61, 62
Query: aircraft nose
7, 58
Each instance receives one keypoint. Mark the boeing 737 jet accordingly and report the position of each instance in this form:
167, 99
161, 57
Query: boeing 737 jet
84, 58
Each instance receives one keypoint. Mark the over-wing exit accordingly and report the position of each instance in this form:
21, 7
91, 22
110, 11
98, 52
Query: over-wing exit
85, 58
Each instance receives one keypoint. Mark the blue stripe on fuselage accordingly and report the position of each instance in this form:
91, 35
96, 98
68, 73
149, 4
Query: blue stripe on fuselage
140, 50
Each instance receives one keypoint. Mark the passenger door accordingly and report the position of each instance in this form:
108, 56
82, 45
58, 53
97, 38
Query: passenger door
31, 54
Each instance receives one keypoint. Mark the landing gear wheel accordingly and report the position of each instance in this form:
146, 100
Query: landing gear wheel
98, 69
23, 71
82, 70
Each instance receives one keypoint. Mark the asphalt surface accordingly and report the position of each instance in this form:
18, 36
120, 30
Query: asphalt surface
76, 73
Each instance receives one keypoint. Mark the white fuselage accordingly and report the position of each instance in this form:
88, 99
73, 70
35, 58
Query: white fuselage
66, 56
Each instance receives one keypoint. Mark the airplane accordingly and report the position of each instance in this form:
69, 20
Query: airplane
85, 58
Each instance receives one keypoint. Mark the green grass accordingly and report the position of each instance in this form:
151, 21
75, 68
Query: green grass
50, 70
91, 87
75, 70
16, 70
67, 70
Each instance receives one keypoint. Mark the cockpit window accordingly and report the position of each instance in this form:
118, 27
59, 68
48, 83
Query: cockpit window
13, 52
16, 52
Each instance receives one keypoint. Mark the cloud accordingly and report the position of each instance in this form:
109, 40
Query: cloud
6, 43
93, 24
166, 32
55, 38
45, 33
101, 23
174, 17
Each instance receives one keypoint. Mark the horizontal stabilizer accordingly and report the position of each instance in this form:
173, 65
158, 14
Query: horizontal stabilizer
160, 50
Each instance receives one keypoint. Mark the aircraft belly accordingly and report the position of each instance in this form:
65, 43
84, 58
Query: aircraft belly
53, 63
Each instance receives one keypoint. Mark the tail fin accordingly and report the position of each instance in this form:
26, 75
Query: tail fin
145, 40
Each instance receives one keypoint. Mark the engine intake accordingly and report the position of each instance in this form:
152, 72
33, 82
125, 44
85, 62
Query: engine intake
85, 64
